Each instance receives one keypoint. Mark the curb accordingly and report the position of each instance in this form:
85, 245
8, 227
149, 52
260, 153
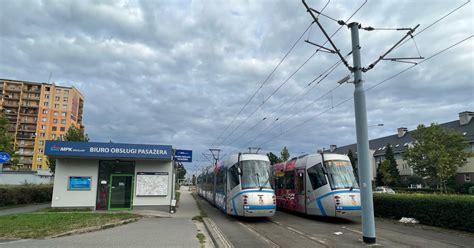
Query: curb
216, 234
93, 228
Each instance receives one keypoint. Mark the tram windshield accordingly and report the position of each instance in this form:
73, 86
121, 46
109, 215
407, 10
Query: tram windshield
341, 174
255, 174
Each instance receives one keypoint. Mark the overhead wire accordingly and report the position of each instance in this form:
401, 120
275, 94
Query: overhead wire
260, 105
263, 83
370, 88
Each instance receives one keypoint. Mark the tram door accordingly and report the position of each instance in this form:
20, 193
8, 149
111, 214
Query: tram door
300, 190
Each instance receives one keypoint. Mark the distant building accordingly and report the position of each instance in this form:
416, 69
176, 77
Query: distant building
38, 112
403, 139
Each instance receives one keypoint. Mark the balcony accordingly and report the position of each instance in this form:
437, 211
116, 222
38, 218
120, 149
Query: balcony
11, 104
26, 145
25, 136
29, 105
13, 89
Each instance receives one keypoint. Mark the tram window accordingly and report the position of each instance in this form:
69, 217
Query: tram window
233, 175
220, 183
300, 183
290, 180
316, 176
279, 182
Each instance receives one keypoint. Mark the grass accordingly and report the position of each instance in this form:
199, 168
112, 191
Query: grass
201, 238
177, 196
43, 224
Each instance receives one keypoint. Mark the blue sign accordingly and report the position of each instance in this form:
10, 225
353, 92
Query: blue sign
4, 157
183, 156
106, 150
79, 183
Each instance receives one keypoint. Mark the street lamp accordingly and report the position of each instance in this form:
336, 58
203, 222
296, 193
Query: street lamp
376, 125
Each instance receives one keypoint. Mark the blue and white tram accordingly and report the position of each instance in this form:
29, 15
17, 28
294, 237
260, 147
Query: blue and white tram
240, 186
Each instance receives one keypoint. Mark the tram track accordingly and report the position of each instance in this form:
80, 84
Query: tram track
277, 234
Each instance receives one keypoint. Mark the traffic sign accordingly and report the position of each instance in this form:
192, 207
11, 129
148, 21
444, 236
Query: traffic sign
183, 156
4, 157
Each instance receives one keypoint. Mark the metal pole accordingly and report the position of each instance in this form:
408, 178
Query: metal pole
368, 223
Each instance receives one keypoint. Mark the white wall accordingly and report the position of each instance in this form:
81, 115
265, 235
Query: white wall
62, 197
153, 166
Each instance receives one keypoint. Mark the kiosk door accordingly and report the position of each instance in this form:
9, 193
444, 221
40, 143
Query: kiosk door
120, 194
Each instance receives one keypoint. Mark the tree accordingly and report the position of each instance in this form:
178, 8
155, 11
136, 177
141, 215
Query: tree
392, 171
73, 134
6, 141
180, 172
285, 155
193, 180
437, 153
353, 163
274, 159
379, 175
384, 172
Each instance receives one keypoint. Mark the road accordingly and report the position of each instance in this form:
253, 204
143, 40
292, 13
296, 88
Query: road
294, 230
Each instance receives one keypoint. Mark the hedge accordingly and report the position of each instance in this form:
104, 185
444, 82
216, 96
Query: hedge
450, 211
25, 194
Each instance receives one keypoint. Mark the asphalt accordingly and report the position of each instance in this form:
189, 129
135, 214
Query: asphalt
179, 230
296, 230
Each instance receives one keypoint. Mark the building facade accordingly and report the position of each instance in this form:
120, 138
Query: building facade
38, 112
403, 139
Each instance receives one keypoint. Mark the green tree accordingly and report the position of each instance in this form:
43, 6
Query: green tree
285, 155
437, 153
193, 180
392, 170
379, 175
353, 163
73, 134
274, 159
180, 172
6, 141
384, 171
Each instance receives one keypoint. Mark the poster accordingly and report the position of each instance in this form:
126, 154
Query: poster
152, 184
79, 183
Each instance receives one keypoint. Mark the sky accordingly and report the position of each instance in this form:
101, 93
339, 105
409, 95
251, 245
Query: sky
180, 72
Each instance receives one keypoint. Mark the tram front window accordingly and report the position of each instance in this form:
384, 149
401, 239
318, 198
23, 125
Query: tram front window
255, 174
341, 174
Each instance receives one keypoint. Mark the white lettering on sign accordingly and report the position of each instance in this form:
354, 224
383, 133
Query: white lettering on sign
127, 151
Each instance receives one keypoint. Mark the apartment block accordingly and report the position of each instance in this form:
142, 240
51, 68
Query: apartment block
38, 112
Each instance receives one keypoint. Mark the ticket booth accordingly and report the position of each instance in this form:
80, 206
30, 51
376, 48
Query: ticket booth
112, 176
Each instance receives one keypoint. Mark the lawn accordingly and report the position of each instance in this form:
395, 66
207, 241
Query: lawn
43, 224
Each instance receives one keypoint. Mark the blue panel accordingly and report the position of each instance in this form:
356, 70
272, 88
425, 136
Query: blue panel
4, 157
79, 183
258, 207
106, 150
348, 208
183, 155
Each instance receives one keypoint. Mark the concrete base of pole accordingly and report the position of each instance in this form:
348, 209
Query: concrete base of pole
368, 240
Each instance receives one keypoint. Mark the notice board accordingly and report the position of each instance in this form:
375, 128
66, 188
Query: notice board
152, 184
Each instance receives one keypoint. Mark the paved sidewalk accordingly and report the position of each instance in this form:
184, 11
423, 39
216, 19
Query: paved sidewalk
179, 230
24, 209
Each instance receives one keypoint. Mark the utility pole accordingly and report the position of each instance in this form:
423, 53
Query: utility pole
368, 222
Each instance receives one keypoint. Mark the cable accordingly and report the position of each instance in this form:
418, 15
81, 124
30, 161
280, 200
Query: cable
370, 88
436, 21
328, 40
264, 82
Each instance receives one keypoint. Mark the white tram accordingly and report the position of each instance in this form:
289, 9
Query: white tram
318, 184
240, 186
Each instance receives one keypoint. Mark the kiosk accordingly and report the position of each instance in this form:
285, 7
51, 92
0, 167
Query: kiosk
112, 176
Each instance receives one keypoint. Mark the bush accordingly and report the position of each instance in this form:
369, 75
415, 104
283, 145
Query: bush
25, 194
451, 211
471, 190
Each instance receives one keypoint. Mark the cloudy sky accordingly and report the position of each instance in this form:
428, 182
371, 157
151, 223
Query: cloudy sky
179, 72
